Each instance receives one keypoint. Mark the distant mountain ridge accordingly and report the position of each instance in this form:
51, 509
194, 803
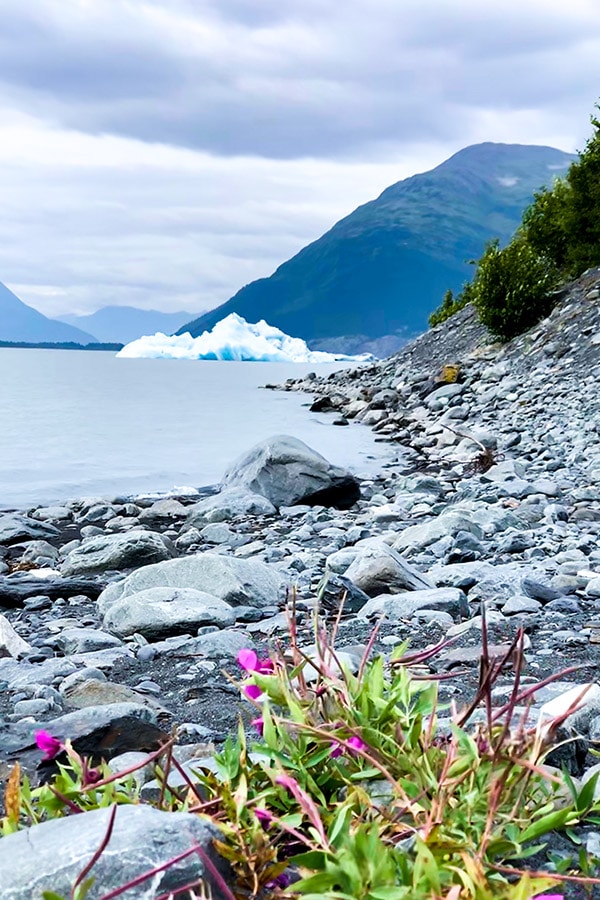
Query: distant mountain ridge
19, 322
382, 269
127, 323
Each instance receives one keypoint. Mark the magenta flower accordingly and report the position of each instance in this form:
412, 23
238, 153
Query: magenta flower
354, 745
50, 745
249, 661
259, 725
264, 816
252, 691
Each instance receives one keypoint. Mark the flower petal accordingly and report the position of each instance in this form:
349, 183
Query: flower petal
248, 660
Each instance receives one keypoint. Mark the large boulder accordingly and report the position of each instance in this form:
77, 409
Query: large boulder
286, 471
50, 856
239, 582
117, 551
160, 612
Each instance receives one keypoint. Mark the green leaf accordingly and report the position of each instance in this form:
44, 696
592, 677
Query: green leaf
585, 798
547, 823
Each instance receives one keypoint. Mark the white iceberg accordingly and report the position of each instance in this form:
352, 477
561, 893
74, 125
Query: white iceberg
233, 339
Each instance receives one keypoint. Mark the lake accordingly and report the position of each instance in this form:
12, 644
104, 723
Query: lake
75, 423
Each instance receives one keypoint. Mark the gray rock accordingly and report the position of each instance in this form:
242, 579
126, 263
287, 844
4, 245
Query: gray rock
163, 512
50, 856
163, 611
403, 606
18, 587
239, 582
416, 537
229, 504
85, 640
218, 533
21, 674
52, 513
286, 471
379, 569
538, 590
216, 645
11, 644
15, 528
94, 692
36, 550
34, 707
117, 551
521, 604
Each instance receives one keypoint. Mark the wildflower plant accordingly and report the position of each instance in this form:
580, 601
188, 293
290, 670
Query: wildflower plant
358, 784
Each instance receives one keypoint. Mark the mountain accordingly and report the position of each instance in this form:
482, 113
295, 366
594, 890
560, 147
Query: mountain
19, 322
126, 323
381, 270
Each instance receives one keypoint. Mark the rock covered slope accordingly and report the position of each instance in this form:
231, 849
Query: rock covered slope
120, 614
536, 396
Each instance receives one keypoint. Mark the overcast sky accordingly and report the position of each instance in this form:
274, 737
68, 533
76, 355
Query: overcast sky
162, 153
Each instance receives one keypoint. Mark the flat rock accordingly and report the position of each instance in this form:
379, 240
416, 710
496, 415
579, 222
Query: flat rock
164, 611
117, 551
239, 582
403, 606
21, 586
286, 471
50, 856
85, 640
416, 537
95, 692
15, 528
229, 504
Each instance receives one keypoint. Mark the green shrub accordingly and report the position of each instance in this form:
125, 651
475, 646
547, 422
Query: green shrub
511, 288
563, 223
450, 305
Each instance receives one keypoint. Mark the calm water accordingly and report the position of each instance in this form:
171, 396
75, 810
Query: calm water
75, 423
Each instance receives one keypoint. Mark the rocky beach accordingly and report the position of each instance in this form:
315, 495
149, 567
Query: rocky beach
120, 616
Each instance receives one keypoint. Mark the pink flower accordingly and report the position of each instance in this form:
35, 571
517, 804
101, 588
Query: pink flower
249, 661
288, 782
50, 745
264, 816
252, 691
259, 725
354, 746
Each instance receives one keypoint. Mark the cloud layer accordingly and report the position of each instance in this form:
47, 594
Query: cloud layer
162, 153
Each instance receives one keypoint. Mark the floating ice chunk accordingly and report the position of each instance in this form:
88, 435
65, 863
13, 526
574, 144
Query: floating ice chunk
233, 339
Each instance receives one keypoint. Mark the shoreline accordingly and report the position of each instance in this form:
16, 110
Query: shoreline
142, 606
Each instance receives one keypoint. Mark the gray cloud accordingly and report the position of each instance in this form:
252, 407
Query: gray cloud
162, 153
303, 78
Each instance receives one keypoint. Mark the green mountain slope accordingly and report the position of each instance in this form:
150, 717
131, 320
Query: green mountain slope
382, 269
19, 322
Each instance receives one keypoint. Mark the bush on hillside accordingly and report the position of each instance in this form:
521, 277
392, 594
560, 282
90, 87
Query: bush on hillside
511, 288
559, 239
563, 223
450, 305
